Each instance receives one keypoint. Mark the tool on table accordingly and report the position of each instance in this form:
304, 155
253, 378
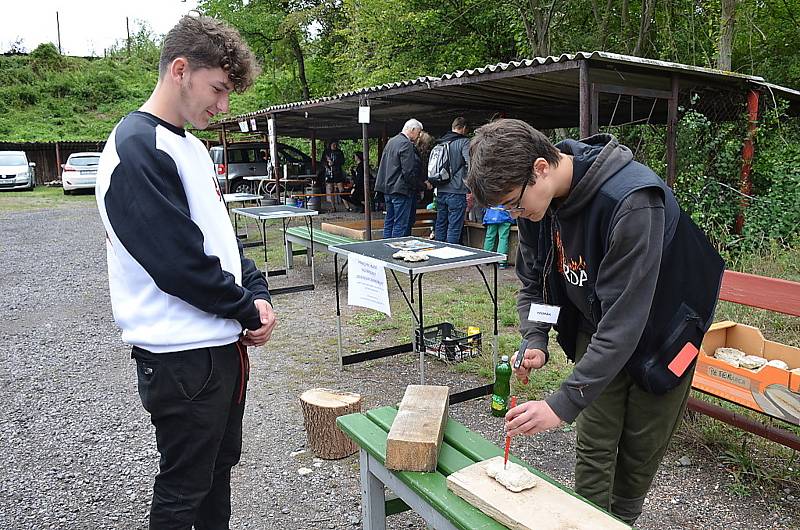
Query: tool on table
508, 438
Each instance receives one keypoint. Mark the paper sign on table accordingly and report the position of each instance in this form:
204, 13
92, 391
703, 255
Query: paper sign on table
448, 253
366, 284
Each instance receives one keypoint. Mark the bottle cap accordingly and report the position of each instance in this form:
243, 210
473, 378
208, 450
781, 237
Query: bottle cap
504, 358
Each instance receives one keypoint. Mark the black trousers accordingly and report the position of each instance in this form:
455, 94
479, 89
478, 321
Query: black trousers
196, 402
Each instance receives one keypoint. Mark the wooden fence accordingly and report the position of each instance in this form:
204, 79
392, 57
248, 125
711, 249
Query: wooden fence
49, 156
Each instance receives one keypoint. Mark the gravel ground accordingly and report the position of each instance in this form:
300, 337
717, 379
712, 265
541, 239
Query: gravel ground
77, 451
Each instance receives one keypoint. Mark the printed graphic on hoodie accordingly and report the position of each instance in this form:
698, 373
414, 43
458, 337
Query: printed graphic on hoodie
573, 270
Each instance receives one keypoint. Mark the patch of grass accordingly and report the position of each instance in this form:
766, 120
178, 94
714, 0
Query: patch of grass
40, 198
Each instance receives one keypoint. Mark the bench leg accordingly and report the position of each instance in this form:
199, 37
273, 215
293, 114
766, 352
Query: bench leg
373, 500
289, 255
383, 476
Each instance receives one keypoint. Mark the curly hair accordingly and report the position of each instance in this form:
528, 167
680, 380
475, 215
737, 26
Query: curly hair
209, 43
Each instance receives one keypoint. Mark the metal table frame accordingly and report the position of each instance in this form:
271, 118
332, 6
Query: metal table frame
415, 272
284, 213
242, 198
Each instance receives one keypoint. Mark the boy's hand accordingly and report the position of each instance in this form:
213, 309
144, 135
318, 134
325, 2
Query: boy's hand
533, 360
530, 418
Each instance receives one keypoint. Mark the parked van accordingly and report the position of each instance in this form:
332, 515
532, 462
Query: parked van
16, 173
251, 159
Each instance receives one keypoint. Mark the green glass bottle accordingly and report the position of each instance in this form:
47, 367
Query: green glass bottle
502, 387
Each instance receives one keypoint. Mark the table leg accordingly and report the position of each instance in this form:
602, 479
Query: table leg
286, 254
310, 252
496, 333
373, 498
421, 341
264, 242
338, 307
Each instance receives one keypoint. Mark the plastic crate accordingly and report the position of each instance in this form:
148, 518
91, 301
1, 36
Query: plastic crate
448, 343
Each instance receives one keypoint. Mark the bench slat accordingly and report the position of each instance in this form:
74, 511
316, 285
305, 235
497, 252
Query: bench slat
321, 237
432, 487
773, 294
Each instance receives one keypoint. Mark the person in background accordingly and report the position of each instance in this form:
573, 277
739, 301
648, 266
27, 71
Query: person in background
187, 300
334, 173
422, 145
397, 179
630, 283
498, 226
356, 197
451, 196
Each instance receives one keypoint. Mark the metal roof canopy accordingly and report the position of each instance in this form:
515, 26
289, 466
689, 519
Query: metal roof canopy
546, 92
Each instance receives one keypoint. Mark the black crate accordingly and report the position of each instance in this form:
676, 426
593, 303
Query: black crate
448, 343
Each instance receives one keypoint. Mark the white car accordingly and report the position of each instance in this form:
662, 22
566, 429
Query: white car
80, 172
16, 173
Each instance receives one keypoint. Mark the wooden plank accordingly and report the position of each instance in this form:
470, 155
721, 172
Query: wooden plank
416, 434
773, 294
542, 507
357, 229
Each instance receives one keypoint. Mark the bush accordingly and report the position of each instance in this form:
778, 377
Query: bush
46, 58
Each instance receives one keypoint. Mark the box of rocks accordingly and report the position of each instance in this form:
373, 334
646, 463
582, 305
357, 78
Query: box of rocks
738, 364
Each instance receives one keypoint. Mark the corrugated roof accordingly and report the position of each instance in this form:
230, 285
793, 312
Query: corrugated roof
520, 87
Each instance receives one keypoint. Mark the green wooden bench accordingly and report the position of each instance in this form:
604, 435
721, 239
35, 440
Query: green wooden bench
425, 493
300, 236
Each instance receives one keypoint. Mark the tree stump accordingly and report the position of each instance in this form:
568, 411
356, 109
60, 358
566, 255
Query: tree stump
321, 407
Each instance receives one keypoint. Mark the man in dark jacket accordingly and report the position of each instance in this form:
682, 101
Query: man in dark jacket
397, 179
630, 284
451, 197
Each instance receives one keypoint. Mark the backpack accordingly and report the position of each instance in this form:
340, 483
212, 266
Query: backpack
439, 164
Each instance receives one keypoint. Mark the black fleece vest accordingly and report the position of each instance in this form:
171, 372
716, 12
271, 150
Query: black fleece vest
686, 291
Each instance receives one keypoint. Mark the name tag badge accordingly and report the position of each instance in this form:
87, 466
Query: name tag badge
544, 313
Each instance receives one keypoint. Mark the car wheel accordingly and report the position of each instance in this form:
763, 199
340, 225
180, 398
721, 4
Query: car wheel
241, 186
67, 192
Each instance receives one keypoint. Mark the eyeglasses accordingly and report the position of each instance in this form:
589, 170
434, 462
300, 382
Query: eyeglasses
517, 208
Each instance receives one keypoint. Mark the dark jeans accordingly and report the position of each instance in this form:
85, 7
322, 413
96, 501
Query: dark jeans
450, 210
196, 402
398, 213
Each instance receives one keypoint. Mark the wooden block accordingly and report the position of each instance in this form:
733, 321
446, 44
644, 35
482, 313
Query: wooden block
416, 435
543, 507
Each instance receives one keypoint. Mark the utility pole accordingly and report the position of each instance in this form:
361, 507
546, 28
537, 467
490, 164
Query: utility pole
128, 30
58, 29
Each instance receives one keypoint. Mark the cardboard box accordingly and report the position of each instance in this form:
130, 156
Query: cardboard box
770, 390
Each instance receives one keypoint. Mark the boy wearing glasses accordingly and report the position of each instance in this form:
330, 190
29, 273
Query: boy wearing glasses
630, 284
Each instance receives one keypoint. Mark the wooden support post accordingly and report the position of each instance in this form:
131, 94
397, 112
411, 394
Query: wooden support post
747, 158
58, 161
321, 407
273, 144
585, 100
367, 187
416, 435
672, 132
225, 158
314, 151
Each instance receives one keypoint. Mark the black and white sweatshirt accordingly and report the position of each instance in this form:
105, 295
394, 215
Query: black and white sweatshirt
176, 271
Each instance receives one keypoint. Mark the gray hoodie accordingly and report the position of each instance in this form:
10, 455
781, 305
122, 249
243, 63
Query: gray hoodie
626, 278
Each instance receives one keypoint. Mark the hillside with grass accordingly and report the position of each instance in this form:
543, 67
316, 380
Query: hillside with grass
47, 97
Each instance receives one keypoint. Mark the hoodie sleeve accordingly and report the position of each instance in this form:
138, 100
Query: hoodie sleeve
626, 283
529, 268
148, 210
